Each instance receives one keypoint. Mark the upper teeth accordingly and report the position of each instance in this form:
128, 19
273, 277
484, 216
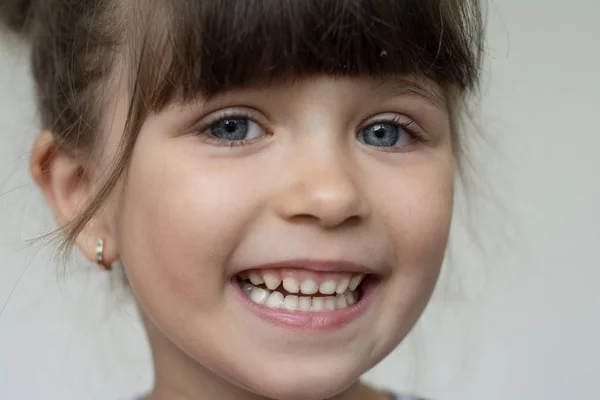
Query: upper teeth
271, 281
256, 279
291, 285
339, 291
308, 286
355, 281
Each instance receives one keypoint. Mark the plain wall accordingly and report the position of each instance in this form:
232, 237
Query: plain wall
525, 323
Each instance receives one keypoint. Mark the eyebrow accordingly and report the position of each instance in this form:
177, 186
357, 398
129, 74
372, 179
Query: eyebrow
400, 86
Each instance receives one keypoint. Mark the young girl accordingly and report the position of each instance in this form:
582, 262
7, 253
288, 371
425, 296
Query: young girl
275, 177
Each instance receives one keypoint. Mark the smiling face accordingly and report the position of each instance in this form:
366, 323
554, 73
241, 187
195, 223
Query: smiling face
312, 181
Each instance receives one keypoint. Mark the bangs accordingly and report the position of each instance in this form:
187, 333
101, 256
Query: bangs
205, 47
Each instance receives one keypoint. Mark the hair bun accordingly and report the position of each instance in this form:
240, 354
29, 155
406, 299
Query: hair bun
16, 14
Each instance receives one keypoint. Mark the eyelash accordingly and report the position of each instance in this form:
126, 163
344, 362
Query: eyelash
208, 138
411, 128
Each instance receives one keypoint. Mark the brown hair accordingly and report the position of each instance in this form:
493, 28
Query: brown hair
175, 50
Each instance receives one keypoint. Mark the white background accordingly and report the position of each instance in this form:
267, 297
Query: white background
525, 323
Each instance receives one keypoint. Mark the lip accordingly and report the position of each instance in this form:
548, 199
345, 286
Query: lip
317, 266
315, 320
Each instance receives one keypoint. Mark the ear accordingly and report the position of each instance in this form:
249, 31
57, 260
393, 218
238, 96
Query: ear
68, 186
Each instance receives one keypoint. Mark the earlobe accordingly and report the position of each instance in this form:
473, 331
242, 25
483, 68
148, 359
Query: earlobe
97, 247
67, 185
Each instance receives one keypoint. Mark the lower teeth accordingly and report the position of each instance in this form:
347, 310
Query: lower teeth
275, 299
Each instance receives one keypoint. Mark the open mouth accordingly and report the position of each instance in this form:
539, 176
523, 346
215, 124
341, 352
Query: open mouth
302, 291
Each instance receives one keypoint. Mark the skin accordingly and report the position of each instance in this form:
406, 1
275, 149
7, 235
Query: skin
193, 213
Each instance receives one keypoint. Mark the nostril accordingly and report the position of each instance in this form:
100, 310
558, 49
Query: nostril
326, 201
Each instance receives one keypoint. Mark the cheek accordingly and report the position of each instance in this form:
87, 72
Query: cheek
417, 209
178, 221
420, 226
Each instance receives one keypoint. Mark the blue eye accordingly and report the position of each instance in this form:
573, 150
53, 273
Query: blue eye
230, 129
396, 133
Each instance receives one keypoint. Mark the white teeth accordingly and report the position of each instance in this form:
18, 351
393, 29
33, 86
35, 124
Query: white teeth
340, 293
318, 303
330, 303
340, 301
259, 295
355, 281
290, 302
343, 285
291, 285
328, 287
309, 287
256, 279
272, 281
305, 303
275, 300
350, 299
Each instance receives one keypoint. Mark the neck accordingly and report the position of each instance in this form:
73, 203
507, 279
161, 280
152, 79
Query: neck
179, 377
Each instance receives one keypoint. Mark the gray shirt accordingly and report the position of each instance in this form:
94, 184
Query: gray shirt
394, 396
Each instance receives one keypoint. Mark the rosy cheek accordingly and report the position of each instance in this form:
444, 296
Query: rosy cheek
419, 216
180, 222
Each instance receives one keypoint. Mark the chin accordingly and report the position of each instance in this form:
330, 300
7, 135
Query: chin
310, 389
308, 381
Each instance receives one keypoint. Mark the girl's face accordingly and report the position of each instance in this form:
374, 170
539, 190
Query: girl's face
306, 187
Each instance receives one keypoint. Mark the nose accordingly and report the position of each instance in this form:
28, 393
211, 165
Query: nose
323, 188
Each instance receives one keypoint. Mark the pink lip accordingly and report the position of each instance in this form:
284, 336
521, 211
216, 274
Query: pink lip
317, 265
302, 320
